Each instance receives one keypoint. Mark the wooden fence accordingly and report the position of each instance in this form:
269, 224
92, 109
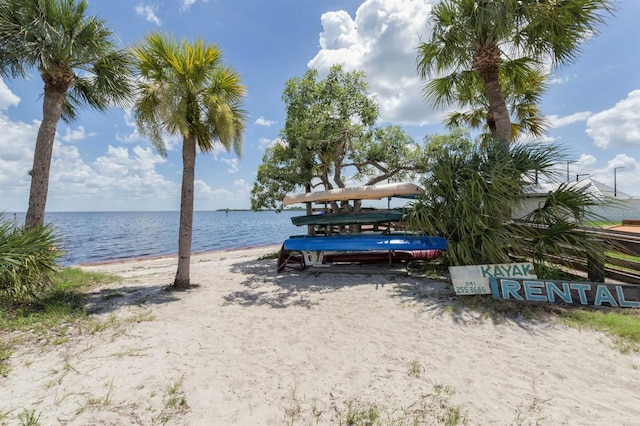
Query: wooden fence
618, 247
620, 251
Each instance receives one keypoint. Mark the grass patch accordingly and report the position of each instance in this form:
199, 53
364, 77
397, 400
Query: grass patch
415, 369
175, 402
29, 418
603, 224
623, 326
49, 318
269, 256
434, 408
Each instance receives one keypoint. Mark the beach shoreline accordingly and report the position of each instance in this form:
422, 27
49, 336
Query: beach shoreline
249, 345
275, 246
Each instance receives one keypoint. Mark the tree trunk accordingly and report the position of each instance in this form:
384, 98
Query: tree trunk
500, 113
51, 112
182, 279
486, 62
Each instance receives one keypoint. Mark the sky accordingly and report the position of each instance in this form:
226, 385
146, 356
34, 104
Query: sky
101, 163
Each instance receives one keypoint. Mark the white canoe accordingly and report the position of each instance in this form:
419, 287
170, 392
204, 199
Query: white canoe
367, 192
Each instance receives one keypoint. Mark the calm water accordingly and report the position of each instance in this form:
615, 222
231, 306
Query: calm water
102, 236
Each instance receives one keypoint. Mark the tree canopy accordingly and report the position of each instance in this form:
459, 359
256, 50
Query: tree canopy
477, 36
329, 139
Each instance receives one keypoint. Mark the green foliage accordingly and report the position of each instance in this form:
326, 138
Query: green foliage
624, 326
73, 52
186, 91
77, 59
56, 308
27, 260
555, 229
470, 39
329, 138
523, 83
471, 192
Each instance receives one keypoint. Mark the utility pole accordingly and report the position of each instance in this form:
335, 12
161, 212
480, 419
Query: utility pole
615, 186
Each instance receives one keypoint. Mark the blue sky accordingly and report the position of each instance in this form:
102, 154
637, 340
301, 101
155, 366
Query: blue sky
101, 163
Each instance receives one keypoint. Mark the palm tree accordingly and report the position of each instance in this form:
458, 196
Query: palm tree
77, 60
185, 90
478, 35
523, 84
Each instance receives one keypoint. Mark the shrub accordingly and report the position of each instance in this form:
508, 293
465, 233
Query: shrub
27, 260
471, 191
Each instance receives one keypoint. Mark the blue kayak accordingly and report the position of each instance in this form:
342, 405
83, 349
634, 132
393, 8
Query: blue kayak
364, 242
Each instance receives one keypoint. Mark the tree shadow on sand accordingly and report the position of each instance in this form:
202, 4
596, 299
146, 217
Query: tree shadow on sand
110, 299
263, 285
437, 297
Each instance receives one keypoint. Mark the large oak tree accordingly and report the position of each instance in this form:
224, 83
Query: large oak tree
329, 140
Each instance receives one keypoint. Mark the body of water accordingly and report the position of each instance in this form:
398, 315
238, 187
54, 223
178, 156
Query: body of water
89, 237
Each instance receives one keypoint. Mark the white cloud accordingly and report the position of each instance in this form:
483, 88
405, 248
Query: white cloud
120, 179
627, 173
264, 122
586, 160
242, 185
560, 80
135, 135
7, 97
382, 42
232, 163
617, 125
17, 141
186, 4
76, 135
204, 192
557, 121
148, 12
264, 143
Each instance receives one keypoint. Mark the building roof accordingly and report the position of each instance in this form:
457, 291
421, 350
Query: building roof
590, 186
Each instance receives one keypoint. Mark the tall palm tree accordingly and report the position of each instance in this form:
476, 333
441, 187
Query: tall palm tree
477, 35
185, 90
523, 84
76, 57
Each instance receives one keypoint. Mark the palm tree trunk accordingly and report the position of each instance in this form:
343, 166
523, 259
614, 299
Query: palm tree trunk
182, 279
500, 113
486, 62
51, 112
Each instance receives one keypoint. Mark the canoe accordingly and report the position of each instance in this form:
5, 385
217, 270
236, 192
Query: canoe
367, 192
364, 242
349, 218
383, 257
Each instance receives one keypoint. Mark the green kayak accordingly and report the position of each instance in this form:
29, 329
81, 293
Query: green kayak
349, 218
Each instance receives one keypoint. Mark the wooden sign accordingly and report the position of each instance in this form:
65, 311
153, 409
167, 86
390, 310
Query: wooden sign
474, 279
571, 292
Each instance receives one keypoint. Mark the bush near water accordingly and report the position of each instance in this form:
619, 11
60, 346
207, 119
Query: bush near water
27, 260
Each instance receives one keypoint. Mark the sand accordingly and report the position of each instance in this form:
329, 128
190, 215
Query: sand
250, 346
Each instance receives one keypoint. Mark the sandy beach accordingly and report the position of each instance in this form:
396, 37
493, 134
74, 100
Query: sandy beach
250, 346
